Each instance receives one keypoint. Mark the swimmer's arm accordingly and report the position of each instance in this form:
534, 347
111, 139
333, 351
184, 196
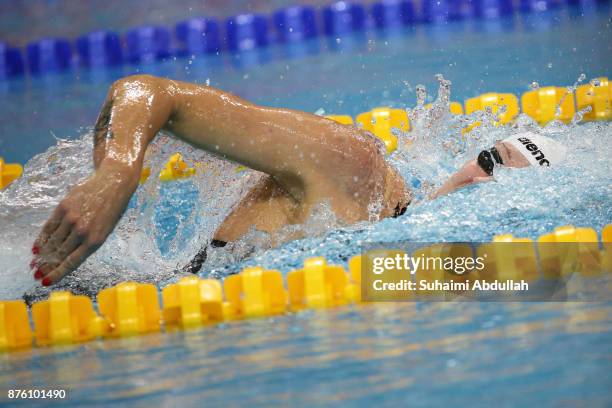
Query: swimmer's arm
274, 141
470, 173
292, 146
133, 112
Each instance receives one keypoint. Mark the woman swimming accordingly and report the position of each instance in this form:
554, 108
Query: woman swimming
308, 159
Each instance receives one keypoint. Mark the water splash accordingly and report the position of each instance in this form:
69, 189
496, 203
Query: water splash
158, 225
166, 224
570, 91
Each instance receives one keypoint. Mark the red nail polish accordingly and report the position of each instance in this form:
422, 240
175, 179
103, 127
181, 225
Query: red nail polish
38, 274
33, 264
46, 282
35, 250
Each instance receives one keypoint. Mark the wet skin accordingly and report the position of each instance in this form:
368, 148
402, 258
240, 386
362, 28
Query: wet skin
471, 172
308, 159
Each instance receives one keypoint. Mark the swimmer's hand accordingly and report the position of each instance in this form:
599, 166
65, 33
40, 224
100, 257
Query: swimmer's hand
82, 221
470, 173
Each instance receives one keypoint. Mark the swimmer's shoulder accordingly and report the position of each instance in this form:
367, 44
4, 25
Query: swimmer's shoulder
397, 194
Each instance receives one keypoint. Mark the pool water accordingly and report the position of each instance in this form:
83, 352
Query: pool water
418, 354
536, 354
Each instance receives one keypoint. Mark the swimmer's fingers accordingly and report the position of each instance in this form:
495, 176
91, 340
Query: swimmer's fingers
47, 262
55, 240
50, 226
68, 265
46, 256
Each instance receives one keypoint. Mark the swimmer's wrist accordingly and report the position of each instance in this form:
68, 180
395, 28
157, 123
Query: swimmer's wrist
120, 172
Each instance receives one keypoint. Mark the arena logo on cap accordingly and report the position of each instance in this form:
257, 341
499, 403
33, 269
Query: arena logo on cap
535, 150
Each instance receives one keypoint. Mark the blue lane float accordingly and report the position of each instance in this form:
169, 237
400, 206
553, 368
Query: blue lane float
198, 36
11, 61
292, 25
393, 13
147, 43
246, 32
295, 23
49, 55
441, 11
534, 6
589, 3
343, 18
100, 49
462, 9
579, 8
492, 9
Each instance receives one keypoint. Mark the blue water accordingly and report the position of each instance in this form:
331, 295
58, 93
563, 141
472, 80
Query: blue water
348, 77
425, 354
388, 355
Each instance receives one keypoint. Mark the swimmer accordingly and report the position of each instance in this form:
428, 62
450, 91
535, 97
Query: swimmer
307, 159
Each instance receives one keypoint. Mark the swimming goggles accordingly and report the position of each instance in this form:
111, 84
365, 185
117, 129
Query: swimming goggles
487, 159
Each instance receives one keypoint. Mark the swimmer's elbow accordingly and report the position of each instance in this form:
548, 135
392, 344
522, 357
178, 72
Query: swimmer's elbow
141, 89
134, 84
145, 94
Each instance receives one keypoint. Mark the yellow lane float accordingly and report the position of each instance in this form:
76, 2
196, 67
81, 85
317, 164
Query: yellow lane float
131, 308
542, 104
9, 173
66, 318
495, 101
15, 329
175, 169
598, 95
254, 292
318, 285
569, 249
192, 302
508, 257
342, 119
606, 252
382, 121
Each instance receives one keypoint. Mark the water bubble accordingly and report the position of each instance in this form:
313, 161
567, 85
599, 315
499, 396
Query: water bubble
579, 115
421, 94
